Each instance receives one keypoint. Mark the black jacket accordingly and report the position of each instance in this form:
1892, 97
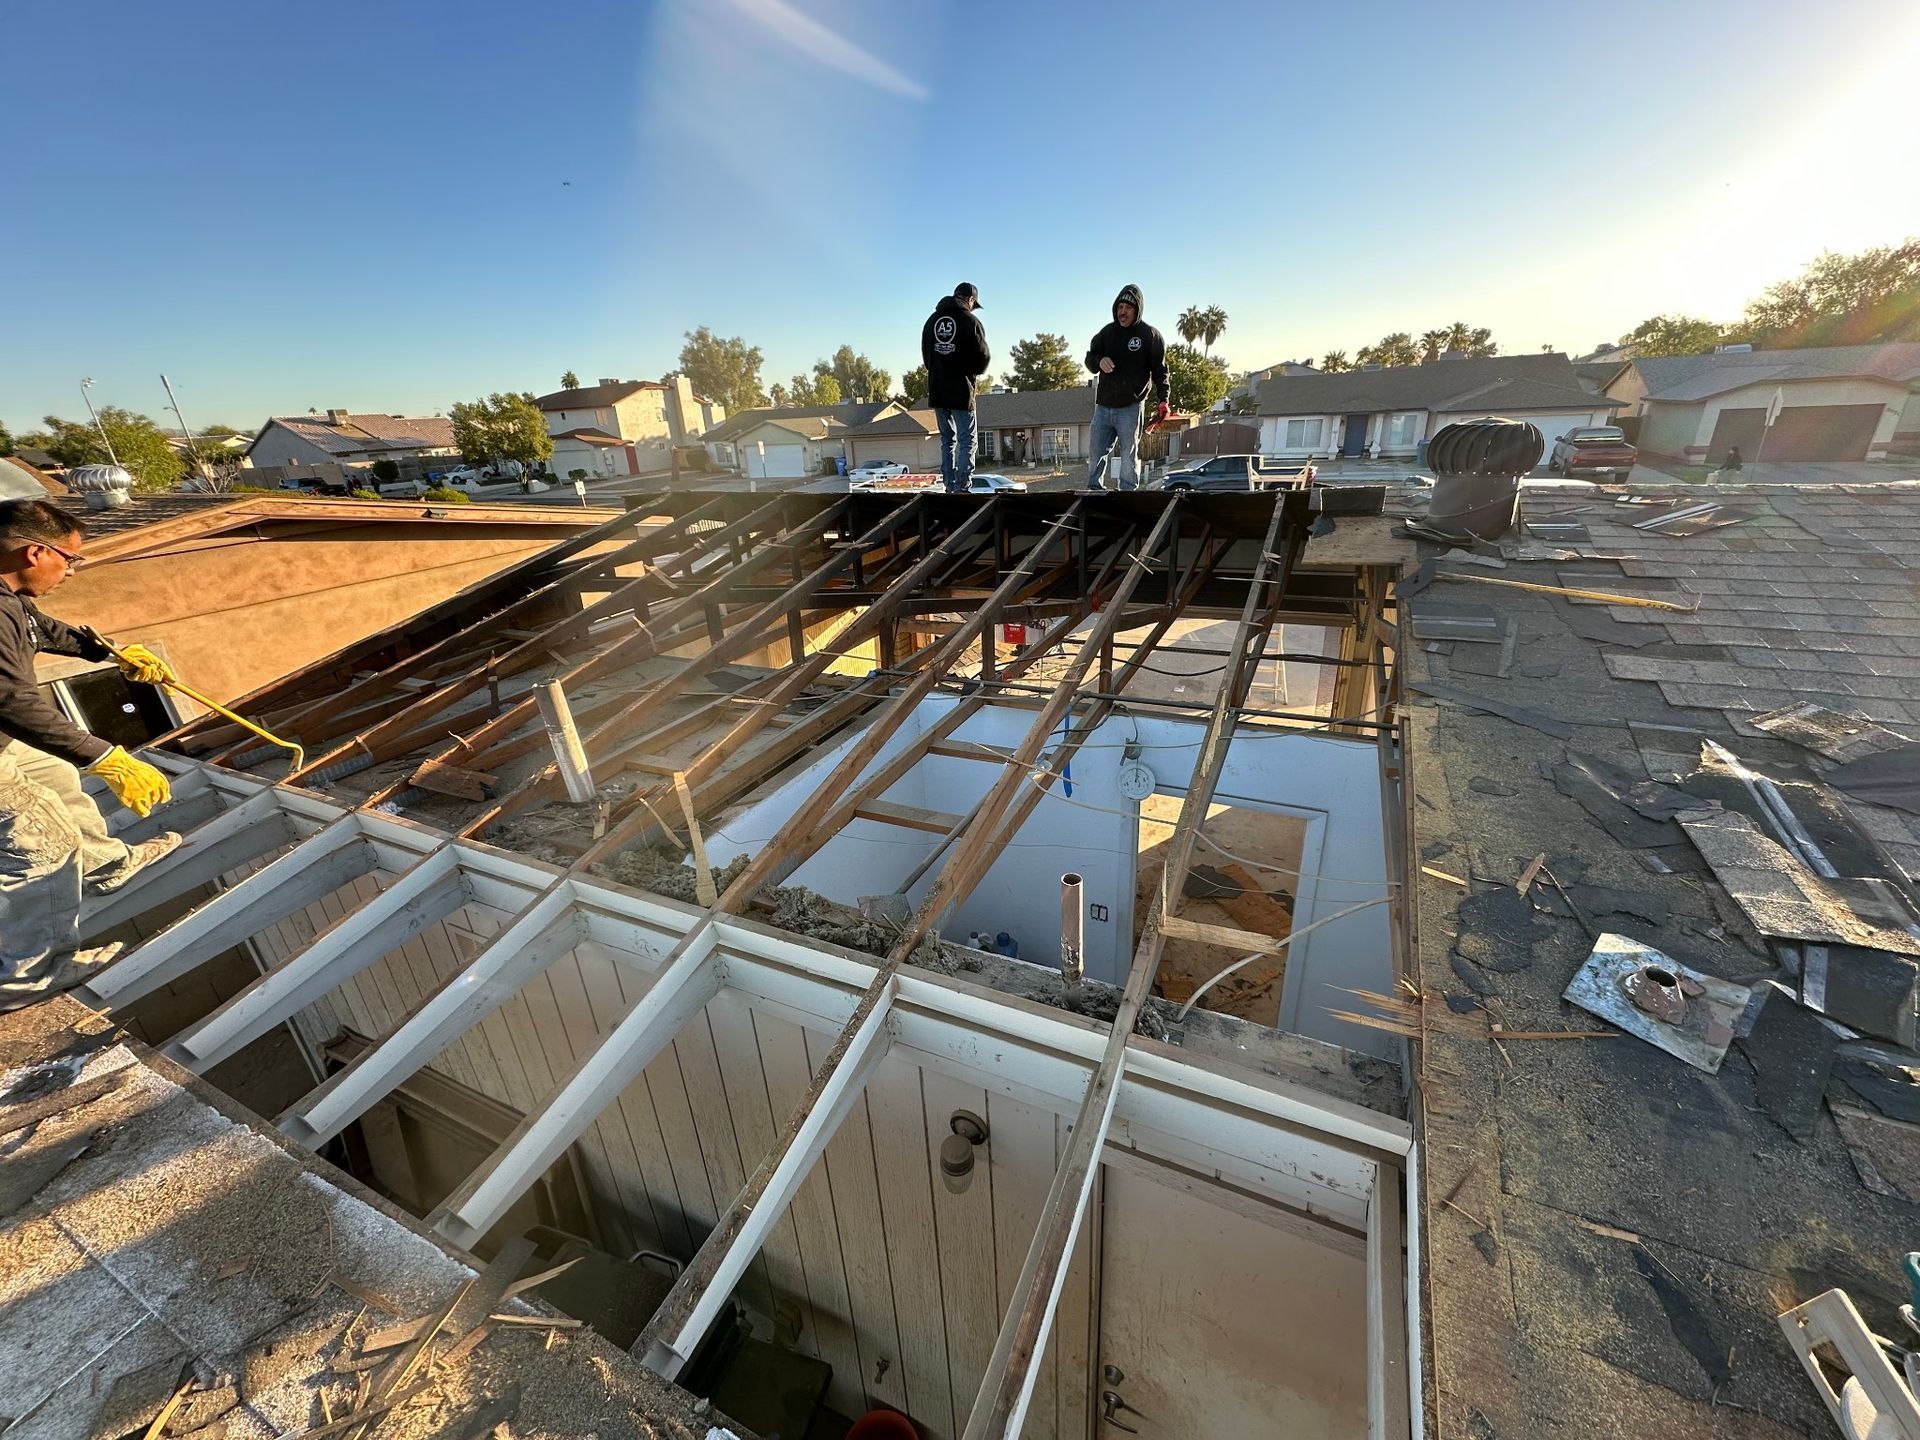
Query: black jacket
25, 714
1138, 353
953, 347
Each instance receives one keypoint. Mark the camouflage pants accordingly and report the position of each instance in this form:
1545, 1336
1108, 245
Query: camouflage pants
46, 831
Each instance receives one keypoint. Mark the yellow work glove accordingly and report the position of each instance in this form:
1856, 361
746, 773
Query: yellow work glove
136, 784
137, 662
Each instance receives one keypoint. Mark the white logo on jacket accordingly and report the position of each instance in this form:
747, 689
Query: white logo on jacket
944, 330
1133, 342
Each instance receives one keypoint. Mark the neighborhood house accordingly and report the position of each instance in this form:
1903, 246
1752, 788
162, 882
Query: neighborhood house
624, 427
791, 441
342, 438
1844, 402
1393, 411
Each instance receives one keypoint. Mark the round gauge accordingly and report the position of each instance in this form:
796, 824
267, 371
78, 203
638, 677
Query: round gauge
1136, 780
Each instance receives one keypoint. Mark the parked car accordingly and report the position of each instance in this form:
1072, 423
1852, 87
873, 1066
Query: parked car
990, 484
1592, 450
1239, 472
868, 471
481, 482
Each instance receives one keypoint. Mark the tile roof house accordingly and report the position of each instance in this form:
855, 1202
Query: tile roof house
348, 439
1840, 402
789, 441
624, 427
1392, 410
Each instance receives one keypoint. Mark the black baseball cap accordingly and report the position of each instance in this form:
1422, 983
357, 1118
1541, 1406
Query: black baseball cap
967, 290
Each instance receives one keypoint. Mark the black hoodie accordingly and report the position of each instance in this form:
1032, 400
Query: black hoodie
953, 347
1138, 353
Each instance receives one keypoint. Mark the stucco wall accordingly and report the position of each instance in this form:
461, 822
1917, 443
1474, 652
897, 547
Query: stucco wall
234, 613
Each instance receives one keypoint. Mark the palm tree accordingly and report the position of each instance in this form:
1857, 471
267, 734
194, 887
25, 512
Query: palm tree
1335, 360
1213, 324
1480, 342
569, 381
1192, 323
1431, 344
1459, 337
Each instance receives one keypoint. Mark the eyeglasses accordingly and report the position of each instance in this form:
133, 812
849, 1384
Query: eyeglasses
74, 562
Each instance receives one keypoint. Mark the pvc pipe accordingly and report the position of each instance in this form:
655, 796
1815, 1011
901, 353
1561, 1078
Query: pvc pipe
1073, 959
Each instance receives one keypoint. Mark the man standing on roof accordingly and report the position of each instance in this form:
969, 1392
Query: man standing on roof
54, 845
1130, 358
953, 347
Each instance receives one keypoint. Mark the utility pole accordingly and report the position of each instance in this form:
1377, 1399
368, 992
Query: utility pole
185, 429
86, 385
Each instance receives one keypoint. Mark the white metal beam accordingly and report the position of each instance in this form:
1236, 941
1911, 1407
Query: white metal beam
1387, 1391
517, 954
690, 1307
423, 897
686, 984
314, 868
226, 842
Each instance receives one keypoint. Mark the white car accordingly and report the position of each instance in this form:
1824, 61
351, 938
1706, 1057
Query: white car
869, 471
987, 484
401, 489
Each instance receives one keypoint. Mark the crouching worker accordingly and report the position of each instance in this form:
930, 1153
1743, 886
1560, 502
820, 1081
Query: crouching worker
54, 845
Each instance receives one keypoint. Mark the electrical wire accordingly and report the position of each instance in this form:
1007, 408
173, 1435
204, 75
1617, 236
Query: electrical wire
1279, 944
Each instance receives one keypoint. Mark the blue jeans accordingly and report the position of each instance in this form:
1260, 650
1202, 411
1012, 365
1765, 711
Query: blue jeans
1110, 423
956, 449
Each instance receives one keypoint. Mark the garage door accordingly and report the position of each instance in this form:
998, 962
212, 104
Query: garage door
1802, 432
908, 450
783, 462
1552, 427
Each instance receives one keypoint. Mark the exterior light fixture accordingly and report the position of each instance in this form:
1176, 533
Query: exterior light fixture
956, 1151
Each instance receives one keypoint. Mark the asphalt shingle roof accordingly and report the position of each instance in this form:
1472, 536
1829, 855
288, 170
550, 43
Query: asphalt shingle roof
592, 397
1493, 383
837, 416
361, 433
1695, 377
907, 422
1036, 407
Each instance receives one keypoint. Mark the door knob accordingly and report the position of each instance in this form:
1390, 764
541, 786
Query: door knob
1111, 1404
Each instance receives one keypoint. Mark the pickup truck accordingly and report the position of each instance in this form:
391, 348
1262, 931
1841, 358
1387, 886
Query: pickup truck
872, 470
1593, 449
1240, 472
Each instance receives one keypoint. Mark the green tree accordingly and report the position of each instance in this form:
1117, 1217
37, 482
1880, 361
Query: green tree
1043, 363
1192, 323
501, 427
138, 444
778, 396
913, 385
1431, 344
1394, 349
1213, 324
857, 377
569, 381
725, 371
1470, 340
1673, 335
1197, 381
819, 388
1335, 360
386, 471
1861, 299
6, 440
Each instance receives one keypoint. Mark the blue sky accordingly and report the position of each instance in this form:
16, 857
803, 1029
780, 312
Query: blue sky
396, 206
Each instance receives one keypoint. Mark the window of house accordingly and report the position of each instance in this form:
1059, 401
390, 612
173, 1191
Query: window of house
1305, 434
1055, 444
1403, 430
986, 445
